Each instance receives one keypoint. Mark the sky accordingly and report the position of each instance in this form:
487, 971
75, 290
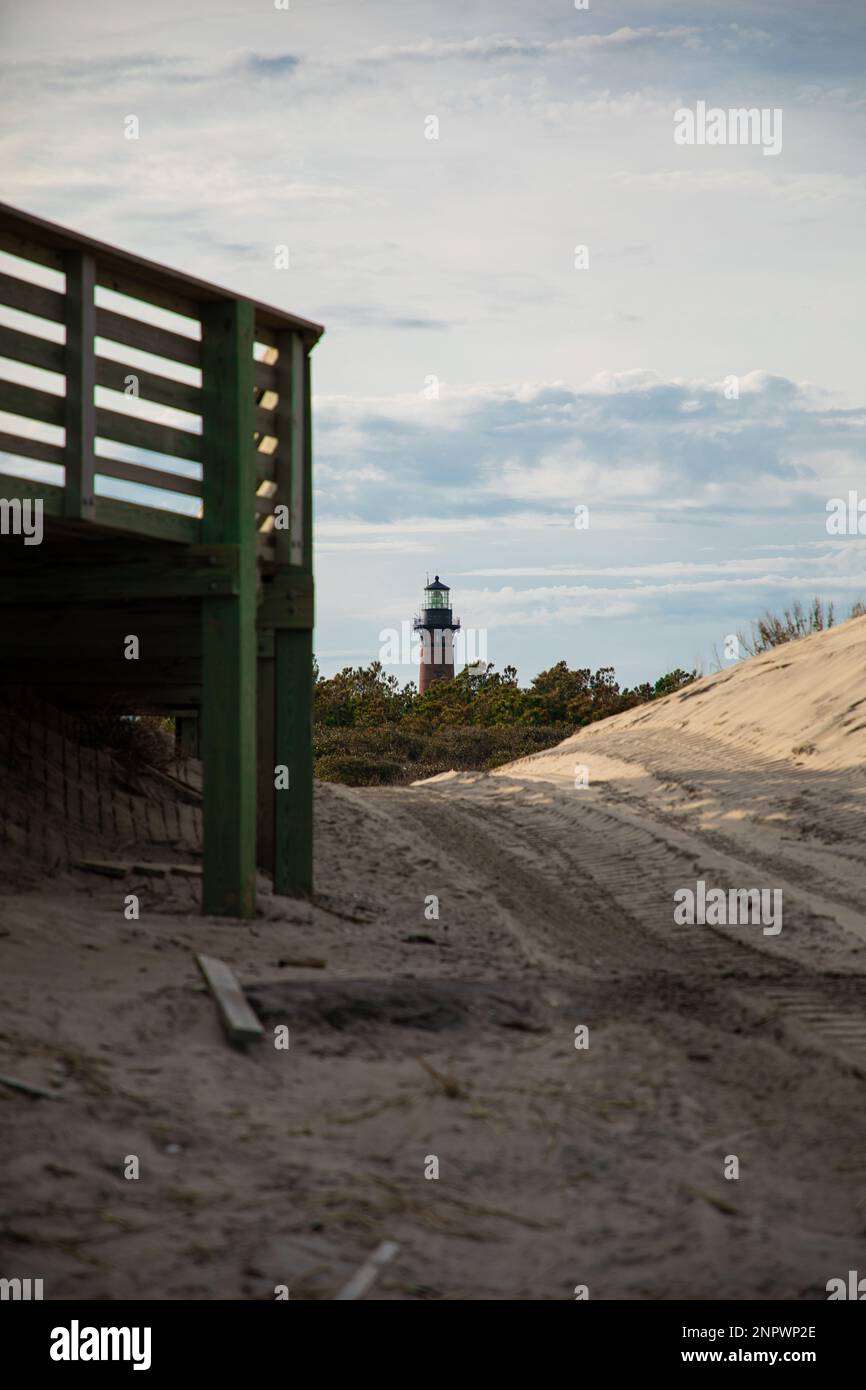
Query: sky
535, 299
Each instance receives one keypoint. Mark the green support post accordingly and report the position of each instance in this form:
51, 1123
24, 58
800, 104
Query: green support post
79, 500
293, 647
228, 711
266, 750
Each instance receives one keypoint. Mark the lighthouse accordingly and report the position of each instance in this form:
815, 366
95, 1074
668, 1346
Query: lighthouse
437, 628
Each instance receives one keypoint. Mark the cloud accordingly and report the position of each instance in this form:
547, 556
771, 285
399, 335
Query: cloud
628, 445
510, 46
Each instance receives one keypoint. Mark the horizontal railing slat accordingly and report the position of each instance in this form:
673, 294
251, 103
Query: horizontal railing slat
31, 448
162, 390
148, 434
31, 299
25, 247
162, 297
31, 403
150, 477
35, 352
147, 337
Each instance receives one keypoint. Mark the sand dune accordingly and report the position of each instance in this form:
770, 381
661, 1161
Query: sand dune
454, 1035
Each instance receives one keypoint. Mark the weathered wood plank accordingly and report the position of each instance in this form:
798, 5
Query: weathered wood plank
31, 299
147, 521
293, 816
228, 624
28, 1089
266, 468
147, 337
186, 730
293, 807
48, 494
266, 422
286, 601
148, 434
148, 280
265, 376
145, 698
364, 1278
237, 1017
31, 449
161, 296
35, 352
266, 756
32, 403
29, 248
161, 390
148, 477
132, 575
79, 499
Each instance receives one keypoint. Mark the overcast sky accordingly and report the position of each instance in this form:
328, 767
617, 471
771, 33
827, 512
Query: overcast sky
474, 386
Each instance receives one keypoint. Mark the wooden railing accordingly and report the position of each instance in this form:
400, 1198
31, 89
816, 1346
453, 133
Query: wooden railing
216, 454
91, 312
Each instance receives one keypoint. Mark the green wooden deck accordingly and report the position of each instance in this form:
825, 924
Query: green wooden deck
157, 380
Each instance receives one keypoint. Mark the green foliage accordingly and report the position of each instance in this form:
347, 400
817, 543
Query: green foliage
370, 730
374, 757
771, 630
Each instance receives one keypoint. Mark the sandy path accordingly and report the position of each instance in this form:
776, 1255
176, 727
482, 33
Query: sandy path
557, 1167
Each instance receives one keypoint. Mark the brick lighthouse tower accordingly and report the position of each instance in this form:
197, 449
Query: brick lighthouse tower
437, 628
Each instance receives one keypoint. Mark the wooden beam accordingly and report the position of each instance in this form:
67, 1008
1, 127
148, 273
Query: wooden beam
142, 699
31, 449
137, 277
186, 733
105, 574
35, 352
147, 337
238, 1019
148, 477
32, 404
148, 434
80, 414
147, 521
28, 298
150, 386
228, 623
293, 649
286, 601
293, 810
299, 496
48, 494
266, 753
62, 644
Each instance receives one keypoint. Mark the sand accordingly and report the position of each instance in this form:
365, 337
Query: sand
454, 1037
